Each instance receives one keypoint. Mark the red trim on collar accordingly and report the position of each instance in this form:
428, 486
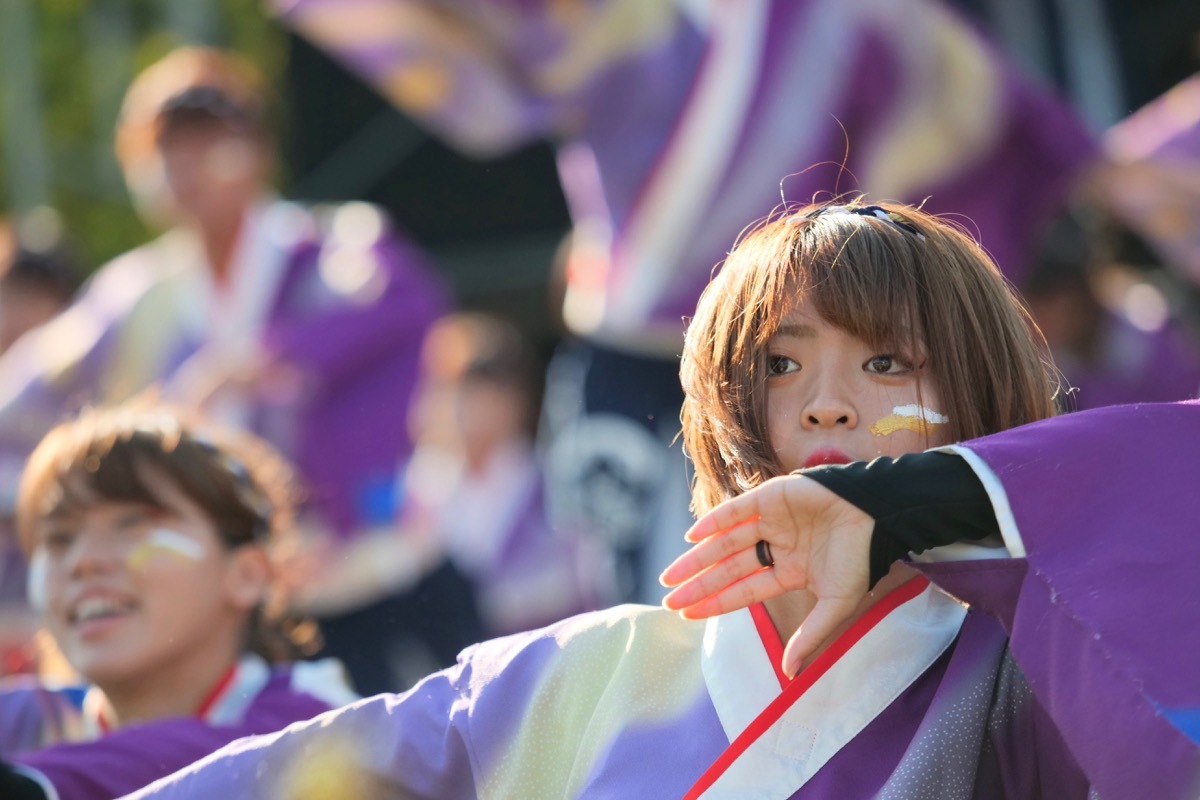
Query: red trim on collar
807, 677
102, 724
105, 726
217, 692
771, 641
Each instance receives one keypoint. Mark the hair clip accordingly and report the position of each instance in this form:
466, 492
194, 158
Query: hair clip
878, 212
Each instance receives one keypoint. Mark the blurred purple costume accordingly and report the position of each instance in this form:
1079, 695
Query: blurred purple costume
1072, 671
55, 732
334, 293
676, 122
679, 119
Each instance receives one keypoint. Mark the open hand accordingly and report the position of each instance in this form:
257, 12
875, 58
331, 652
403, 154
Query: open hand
819, 542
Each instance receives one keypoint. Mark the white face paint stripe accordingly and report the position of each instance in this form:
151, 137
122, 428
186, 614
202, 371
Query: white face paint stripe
167, 540
914, 410
177, 542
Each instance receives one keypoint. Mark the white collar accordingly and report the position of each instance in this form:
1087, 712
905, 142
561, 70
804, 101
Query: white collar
742, 681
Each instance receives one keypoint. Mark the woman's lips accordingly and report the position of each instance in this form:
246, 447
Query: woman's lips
826, 455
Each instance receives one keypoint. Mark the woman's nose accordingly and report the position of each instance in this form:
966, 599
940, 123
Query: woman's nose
829, 410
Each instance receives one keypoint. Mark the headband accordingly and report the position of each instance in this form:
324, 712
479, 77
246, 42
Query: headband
878, 212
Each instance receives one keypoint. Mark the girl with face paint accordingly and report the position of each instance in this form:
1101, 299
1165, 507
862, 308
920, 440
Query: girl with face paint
151, 543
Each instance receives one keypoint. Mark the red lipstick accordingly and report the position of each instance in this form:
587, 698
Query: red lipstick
826, 455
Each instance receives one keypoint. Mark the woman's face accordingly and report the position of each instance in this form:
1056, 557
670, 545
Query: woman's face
131, 591
832, 398
213, 175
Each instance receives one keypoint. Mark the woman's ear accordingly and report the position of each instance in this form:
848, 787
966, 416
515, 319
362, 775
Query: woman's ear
248, 577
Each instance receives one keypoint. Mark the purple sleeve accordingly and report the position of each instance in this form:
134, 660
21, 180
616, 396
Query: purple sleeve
1103, 611
408, 745
133, 757
352, 336
30, 715
127, 759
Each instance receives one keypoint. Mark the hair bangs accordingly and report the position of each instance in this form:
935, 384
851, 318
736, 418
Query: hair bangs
74, 470
101, 475
865, 283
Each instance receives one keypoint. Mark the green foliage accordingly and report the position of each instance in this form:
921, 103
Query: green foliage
86, 53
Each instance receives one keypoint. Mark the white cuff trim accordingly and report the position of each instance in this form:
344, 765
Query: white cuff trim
995, 490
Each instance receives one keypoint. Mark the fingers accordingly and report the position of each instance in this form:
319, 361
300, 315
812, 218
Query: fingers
710, 551
707, 582
746, 592
820, 625
725, 516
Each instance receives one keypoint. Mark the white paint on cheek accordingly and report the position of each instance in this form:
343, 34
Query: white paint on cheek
921, 412
165, 540
35, 587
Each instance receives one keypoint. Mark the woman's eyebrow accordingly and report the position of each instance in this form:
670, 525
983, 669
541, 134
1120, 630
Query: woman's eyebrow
797, 331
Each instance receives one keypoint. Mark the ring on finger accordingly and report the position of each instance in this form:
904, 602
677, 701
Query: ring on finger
763, 551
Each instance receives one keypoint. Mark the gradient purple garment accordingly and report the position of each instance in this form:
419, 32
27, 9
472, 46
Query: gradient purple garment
679, 120
523, 717
132, 757
355, 347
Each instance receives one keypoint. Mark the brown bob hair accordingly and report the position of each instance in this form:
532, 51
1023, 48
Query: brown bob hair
898, 277
206, 79
243, 485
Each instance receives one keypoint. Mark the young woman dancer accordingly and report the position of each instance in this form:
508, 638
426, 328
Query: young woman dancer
835, 333
151, 543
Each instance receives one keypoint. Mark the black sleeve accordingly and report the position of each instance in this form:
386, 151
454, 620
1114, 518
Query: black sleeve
17, 786
919, 501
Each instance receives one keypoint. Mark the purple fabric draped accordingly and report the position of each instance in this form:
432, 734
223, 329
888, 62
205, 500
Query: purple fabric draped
678, 126
1103, 613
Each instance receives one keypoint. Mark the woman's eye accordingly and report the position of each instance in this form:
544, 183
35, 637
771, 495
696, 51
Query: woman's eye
137, 519
781, 365
887, 365
56, 541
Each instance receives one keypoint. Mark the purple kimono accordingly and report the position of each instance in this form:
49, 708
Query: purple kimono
336, 297
55, 734
1069, 675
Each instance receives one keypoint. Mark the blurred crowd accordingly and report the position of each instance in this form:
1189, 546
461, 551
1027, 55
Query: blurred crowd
456, 482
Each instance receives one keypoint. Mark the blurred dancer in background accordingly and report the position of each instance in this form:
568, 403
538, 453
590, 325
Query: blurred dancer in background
1140, 222
38, 278
153, 538
470, 524
478, 483
38, 274
300, 324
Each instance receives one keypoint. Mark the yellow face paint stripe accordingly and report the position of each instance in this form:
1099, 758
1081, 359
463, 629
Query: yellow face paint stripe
162, 540
894, 422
